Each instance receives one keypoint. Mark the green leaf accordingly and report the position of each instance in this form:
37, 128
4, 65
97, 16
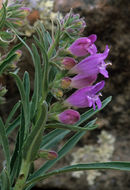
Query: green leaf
14, 49
5, 145
16, 160
22, 135
37, 81
20, 87
33, 141
38, 68
5, 181
45, 76
4, 64
44, 36
125, 166
87, 115
26, 82
11, 55
3, 16
63, 151
52, 138
24, 101
13, 125
13, 111
69, 127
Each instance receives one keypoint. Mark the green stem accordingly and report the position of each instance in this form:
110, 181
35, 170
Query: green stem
20, 183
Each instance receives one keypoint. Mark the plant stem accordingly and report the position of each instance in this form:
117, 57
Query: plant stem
20, 183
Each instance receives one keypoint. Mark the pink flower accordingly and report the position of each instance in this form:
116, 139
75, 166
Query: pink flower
83, 46
92, 65
69, 116
86, 97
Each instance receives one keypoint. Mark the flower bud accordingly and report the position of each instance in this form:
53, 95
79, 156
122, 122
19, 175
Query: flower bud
65, 82
57, 93
83, 46
47, 154
69, 116
3, 90
18, 53
73, 24
17, 58
52, 155
18, 23
69, 62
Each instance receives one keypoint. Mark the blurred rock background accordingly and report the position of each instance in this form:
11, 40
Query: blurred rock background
109, 20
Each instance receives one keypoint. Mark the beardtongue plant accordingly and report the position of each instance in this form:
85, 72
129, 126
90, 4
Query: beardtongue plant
59, 70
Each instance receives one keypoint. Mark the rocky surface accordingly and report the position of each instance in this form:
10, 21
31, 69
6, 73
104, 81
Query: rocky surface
108, 19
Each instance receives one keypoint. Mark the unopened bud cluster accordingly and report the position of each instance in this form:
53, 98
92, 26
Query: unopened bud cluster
72, 25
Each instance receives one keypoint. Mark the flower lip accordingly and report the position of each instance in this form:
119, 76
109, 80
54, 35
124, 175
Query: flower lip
92, 64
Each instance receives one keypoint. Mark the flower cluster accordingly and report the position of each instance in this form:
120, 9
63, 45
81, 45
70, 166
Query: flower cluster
15, 12
72, 26
81, 75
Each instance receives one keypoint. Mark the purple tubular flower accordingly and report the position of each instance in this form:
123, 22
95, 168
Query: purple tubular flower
92, 65
69, 116
83, 46
80, 81
86, 97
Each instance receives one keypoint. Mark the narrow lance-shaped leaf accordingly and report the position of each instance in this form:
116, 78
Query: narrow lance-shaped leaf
45, 77
5, 63
14, 49
38, 75
15, 160
69, 127
13, 125
26, 83
5, 181
125, 166
5, 145
52, 138
13, 111
23, 100
3, 18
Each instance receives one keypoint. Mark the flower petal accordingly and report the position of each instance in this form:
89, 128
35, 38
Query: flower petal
80, 81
